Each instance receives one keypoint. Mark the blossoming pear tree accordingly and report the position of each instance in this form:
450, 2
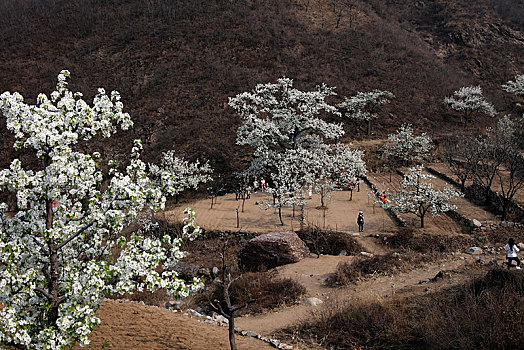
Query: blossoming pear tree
176, 175
62, 247
363, 105
418, 196
516, 87
282, 125
470, 101
334, 164
405, 148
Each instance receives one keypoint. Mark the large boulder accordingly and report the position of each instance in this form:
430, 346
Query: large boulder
270, 250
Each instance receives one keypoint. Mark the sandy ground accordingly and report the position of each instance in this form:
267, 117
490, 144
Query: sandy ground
312, 272
132, 326
340, 214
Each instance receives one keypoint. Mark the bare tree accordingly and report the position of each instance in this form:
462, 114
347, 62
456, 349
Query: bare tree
508, 143
224, 306
457, 154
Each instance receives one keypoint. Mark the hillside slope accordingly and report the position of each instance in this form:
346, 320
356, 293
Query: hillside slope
176, 62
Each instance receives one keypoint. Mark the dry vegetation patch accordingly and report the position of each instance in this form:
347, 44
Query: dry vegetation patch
362, 268
267, 291
328, 242
483, 313
406, 238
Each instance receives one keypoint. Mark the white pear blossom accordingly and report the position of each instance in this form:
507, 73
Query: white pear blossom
406, 147
176, 174
417, 196
363, 105
516, 87
332, 165
469, 100
289, 139
61, 248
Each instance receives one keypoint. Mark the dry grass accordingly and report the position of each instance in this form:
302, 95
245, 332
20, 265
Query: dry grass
406, 238
362, 268
503, 234
485, 313
267, 291
328, 242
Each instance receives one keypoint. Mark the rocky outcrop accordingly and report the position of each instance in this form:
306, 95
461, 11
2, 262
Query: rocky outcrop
272, 249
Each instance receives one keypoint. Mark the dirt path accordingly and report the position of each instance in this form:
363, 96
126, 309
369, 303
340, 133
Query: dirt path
312, 272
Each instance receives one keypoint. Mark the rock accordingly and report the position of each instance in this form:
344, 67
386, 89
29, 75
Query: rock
204, 271
342, 253
271, 250
215, 271
174, 304
194, 313
520, 246
188, 271
493, 262
313, 301
476, 223
251, 334
220, 318
507, 224
369, 255
474, 251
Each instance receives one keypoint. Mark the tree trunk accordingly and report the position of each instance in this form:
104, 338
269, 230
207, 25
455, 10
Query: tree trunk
463, 185
351, 194
322, 198
422, 221
231, 327
487, 199
280, 216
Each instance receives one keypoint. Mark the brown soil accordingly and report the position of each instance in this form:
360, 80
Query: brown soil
340, 214
134, 326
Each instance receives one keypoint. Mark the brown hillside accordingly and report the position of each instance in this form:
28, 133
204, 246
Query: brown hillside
177, 62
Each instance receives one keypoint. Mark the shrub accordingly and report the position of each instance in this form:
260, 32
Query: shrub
328, 242
350, 272
405, 238
267, 291
502, 234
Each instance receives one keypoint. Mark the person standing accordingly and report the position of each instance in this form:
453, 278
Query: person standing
511, 253
360, 221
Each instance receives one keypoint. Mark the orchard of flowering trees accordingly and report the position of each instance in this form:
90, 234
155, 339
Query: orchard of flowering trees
61, 248
291, 143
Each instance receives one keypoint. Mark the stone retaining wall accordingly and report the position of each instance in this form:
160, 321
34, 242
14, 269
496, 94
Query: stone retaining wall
391, 213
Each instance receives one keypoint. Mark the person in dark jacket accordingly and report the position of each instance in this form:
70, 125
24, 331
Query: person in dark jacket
360, 221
